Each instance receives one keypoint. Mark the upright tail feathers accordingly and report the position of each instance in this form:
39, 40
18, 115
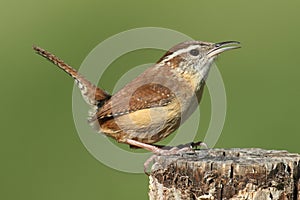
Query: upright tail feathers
93, 95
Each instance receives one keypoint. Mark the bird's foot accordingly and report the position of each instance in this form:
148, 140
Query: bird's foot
166, 151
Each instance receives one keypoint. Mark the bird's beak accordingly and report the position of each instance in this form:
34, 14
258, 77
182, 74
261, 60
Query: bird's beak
221, 47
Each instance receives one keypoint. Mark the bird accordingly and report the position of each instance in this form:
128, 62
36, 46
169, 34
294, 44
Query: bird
154, 104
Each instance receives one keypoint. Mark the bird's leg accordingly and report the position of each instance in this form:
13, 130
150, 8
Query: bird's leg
165, 151
142, 145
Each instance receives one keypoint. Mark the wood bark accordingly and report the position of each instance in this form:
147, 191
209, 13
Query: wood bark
237, 174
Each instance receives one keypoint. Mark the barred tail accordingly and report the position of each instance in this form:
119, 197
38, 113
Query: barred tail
93, 95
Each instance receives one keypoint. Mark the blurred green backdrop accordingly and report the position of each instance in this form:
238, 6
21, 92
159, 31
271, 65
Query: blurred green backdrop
41, 154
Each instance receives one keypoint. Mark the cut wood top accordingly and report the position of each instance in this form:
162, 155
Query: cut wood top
227, 174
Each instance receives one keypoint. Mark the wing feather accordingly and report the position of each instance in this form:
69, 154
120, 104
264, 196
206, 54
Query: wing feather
146, 96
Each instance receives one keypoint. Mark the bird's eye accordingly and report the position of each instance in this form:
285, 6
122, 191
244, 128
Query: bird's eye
194, 52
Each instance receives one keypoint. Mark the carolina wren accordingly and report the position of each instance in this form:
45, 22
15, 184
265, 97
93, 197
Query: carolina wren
154, 104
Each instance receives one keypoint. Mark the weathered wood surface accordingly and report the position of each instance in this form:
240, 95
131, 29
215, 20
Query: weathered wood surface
237, 174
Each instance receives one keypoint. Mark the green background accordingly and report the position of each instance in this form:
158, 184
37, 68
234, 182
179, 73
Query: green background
41, 154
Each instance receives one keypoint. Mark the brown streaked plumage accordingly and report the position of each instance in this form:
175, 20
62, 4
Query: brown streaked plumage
92, 94
153, 105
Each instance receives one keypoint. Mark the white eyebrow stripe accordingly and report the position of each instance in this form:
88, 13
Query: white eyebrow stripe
178, 52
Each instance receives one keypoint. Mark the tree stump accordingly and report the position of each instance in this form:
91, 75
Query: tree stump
237, 174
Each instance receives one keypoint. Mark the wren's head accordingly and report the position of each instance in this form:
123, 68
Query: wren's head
194, 58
